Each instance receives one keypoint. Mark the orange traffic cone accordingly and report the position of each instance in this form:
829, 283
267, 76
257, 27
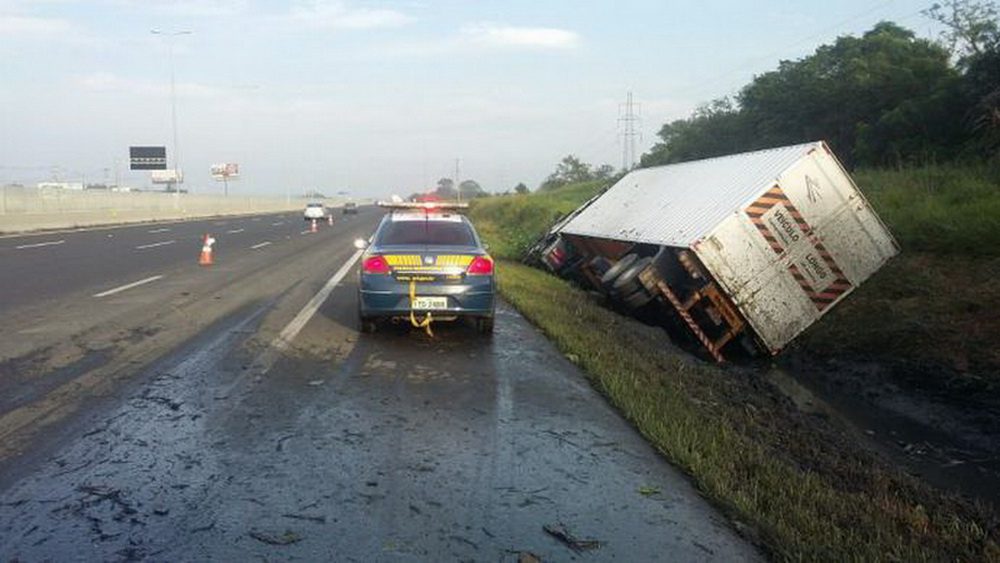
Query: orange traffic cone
206, 251
313, 228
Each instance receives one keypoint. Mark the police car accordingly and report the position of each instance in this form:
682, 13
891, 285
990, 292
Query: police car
425, 263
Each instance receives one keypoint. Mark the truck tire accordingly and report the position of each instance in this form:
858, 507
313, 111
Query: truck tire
628, 281
638, 299
599, 265
620, 266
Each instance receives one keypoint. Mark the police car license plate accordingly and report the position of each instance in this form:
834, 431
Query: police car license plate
430, 303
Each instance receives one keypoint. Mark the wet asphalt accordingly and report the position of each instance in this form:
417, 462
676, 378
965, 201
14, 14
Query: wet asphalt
347, 447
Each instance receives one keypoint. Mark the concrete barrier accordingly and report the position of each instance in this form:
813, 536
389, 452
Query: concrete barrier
29, 208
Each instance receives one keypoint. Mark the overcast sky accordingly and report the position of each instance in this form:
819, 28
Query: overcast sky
379, 97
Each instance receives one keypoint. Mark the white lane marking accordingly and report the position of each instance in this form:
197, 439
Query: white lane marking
155, 244
127, 286
39, 244
260, 245
305, 232
234, 231
278, 223
154, 231
286, 336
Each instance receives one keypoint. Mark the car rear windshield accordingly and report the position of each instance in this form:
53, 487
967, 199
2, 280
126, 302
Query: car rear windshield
426, 233
315, 205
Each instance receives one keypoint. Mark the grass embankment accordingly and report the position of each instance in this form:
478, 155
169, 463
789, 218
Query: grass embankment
512, 223
803, 487
935, 306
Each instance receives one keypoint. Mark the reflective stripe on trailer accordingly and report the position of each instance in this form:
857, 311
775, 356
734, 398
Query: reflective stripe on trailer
821, 296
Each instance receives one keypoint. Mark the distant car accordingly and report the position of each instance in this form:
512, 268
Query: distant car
315, 211
425, 259
350, 207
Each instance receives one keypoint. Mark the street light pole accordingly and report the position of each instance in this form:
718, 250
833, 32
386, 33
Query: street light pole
170, 35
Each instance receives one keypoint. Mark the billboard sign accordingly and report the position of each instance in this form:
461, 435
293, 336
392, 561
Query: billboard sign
227, 171
147, 158
167, 176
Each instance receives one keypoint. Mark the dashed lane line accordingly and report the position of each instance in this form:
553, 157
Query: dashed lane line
121, 288
154, 231
288, 334
260, 245
234, 231
155, 244
277, 224
39, 244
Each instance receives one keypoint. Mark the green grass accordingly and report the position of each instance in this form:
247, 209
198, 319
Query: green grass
799, 486
512, 223
933, 315
944, 209
804, 488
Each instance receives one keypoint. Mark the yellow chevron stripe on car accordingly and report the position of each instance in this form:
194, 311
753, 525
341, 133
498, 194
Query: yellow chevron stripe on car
402, 259
454, 260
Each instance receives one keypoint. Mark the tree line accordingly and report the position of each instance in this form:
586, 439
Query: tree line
887, 98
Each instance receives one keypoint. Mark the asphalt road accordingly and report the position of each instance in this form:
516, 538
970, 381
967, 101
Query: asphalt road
227, 413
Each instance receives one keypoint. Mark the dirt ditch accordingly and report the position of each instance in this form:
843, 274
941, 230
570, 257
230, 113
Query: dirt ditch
947, 436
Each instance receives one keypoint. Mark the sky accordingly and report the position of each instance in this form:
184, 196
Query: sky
379, 97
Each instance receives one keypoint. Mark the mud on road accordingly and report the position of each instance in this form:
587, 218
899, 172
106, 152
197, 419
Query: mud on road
391, 446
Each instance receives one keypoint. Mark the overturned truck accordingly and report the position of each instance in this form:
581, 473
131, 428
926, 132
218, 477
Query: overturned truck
737, 254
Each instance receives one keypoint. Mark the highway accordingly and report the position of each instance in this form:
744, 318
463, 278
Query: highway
155, 409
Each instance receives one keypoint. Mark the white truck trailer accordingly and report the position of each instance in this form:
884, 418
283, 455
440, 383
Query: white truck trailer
750, 248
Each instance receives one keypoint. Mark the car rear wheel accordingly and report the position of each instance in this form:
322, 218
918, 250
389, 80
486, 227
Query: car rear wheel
484, 325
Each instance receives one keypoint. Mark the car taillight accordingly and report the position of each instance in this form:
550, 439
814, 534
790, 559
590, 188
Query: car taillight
375, 265
480, 266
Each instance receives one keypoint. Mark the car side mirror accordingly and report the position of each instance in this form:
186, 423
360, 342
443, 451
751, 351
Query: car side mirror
360, 244
486, 246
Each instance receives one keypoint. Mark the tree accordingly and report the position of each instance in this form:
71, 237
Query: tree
570, 170
604, 172
446, 189
716, 128
971, 27
471, 189
883, 98
520, 188
973, 33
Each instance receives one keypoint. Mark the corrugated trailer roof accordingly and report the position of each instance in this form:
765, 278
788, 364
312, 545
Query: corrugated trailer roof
677, 204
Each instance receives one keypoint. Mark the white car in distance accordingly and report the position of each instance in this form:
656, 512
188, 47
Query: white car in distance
315, 211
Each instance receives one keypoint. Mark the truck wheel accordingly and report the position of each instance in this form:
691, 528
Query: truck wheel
638, 299
620, 266
599, 265
628, 282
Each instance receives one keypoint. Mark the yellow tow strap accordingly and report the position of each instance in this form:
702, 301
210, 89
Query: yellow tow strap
424, 324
